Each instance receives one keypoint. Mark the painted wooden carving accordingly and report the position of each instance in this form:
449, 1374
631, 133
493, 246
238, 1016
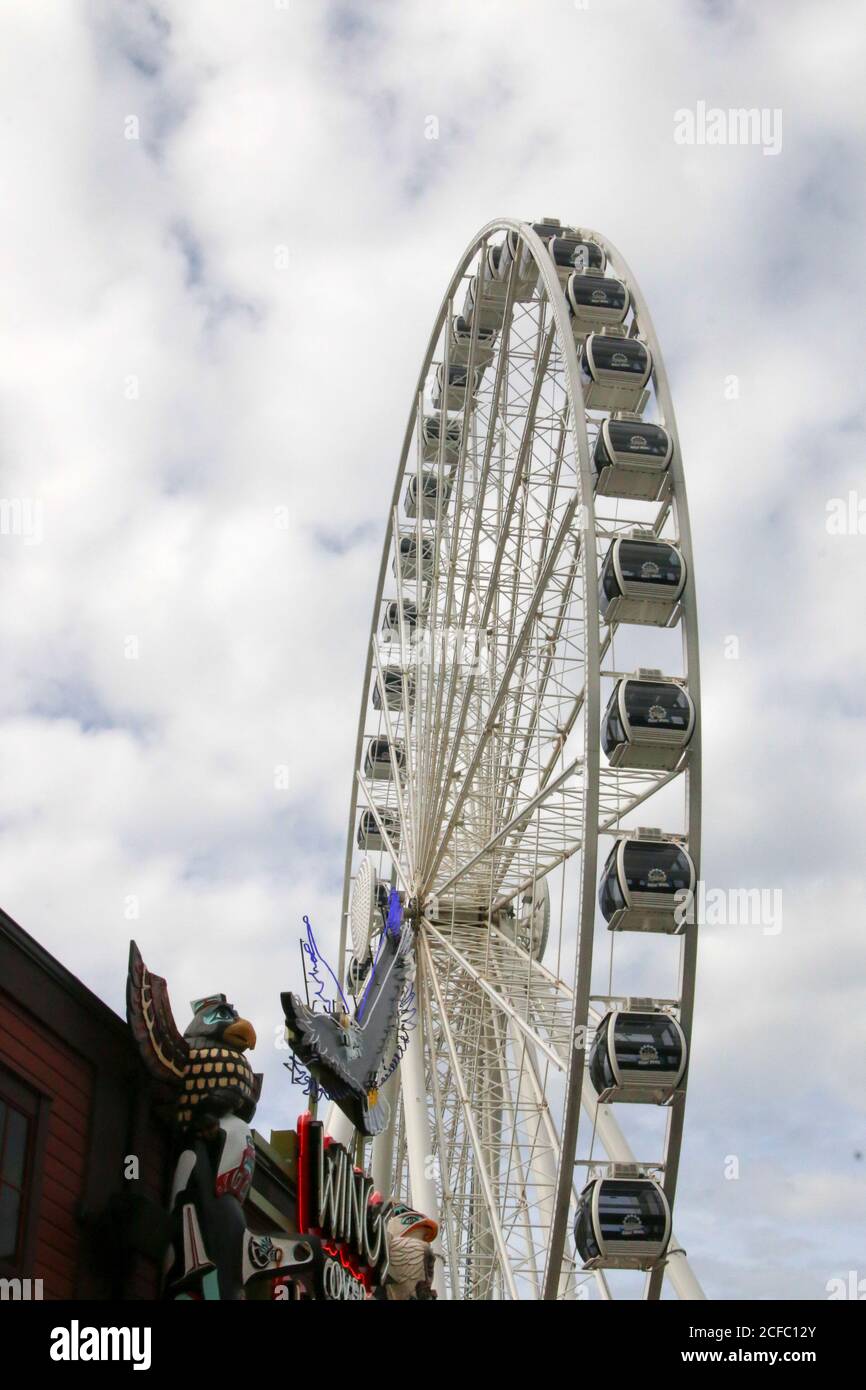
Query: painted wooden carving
348, 1056
205, 1077
411, 1261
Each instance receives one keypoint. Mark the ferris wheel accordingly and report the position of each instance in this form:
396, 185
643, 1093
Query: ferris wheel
527, 780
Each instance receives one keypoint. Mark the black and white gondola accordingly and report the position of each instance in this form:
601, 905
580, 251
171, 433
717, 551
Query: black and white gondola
356, 974
484, 306
459, 382
408, 549
622, 1223
631, 458
391, 619
461, 343
391, 682
369, 836
526, 920
382, 759
523, 277
546, 229
492, 285
431, 491
637, 1057
595, 300
431, 429
614, 371
648, 722
641, 581
647, 884
574, 253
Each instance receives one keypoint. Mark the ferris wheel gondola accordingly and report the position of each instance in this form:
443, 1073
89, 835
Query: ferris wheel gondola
637, 1057
622, 1223
647, 884
641, 581
648, 722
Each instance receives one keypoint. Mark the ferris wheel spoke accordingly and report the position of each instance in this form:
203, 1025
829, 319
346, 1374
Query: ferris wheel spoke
496, 996
525, 734
545, 818
440, 1141
519, 645
475, 510
491, 581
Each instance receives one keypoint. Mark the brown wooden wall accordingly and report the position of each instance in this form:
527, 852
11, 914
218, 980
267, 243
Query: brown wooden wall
45, 1062
60, 1041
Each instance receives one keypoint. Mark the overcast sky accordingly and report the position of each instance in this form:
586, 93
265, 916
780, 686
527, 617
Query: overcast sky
225, 235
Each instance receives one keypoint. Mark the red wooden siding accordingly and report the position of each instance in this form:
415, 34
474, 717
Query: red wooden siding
47, 1063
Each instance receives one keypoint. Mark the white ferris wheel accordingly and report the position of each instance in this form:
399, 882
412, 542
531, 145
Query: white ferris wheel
527, 776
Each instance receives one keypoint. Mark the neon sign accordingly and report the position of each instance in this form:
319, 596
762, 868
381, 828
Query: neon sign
338, 1203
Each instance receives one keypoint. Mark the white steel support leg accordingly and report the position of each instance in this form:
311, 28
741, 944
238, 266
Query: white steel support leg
339, 1127
382, 1163
544, 1151
485, 1246
515, 1158
419, 1148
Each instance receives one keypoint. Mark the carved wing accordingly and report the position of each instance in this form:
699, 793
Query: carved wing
164, 1051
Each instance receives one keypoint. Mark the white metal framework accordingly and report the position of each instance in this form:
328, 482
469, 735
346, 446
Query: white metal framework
488, 669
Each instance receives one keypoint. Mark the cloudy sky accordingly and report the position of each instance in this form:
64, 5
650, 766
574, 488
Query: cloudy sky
225, 234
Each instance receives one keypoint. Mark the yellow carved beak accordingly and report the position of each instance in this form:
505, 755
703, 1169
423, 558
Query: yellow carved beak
241, 1035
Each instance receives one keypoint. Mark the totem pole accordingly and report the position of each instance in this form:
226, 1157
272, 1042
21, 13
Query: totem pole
212, 1091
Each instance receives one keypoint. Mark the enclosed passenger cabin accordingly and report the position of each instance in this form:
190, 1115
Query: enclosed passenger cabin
356, 974
430, 495
647, 723
614, 370
431, 427
570, 253
631, 458
461, 343
647, 884
526, 919
391, 620
409, 558
595, 301
369, 837
492, 285
459, 382
641, 582
487, 307
381, 759
546, 229
391, 679
522, 287
622, 1223
637, 1057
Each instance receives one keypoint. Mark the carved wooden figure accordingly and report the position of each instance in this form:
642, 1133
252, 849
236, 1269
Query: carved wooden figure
205, 1077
